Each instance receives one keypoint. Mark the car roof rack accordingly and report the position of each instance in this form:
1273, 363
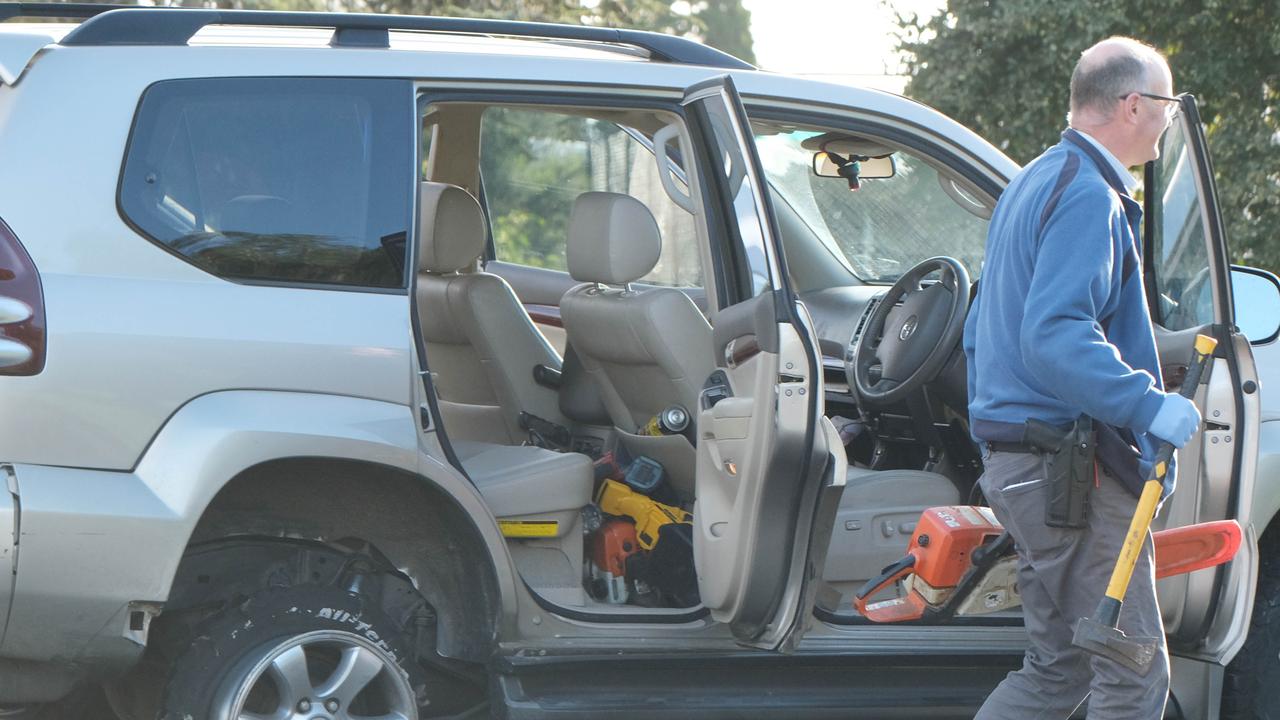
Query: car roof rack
143, 25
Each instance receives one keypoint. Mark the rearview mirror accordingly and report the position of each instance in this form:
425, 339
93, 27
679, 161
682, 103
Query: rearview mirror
830, 164
854, 158
1257, 303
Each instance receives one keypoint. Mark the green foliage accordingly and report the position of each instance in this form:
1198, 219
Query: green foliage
726, 25
1003, 68
534, 165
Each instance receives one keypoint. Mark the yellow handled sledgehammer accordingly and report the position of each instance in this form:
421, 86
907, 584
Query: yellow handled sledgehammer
1100, 634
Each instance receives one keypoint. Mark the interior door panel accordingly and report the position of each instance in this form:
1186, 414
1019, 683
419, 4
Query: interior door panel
1204, 482
746, 509
761, 453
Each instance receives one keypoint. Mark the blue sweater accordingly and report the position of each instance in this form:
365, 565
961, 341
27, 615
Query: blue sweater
1060, 326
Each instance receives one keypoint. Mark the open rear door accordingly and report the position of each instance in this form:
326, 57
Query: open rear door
1187, 273
769, 473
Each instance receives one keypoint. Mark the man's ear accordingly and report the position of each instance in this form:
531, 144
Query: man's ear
1129, 108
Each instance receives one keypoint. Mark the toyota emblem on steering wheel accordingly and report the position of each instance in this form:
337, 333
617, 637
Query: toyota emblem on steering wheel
908, 327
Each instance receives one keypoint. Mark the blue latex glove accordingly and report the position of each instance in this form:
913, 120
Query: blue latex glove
1176, 420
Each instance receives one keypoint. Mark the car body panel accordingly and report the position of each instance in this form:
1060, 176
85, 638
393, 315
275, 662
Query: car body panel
127, 530
119, 364
16, 51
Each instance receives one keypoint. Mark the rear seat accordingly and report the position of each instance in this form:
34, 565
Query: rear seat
537, 496
482, 348
519, 480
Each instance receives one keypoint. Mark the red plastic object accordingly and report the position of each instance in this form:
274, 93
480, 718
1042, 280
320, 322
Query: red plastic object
1194, 547
612, 544
901, 609
939, 554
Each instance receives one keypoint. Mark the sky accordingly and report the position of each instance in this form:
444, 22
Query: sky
834, 40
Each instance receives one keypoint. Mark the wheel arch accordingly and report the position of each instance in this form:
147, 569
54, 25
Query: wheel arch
294, 453
410, 519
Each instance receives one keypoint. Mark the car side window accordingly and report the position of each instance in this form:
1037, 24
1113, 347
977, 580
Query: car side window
535, 163
280, 180
1183, 283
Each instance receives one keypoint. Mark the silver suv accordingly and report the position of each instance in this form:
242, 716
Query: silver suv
384, 366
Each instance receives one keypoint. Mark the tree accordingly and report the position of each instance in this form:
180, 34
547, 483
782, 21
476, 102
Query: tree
727, 26
1003, 68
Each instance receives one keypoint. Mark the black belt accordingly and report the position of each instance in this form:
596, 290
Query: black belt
1013, 447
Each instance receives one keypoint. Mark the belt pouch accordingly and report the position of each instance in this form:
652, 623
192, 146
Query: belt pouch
1067, 459
1118, 456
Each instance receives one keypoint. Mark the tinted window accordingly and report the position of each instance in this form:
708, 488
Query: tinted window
292, 180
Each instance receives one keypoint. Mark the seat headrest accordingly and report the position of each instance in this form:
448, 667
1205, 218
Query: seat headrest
452, 231
613, 239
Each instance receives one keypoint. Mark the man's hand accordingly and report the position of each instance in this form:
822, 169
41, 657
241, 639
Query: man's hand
1176, 421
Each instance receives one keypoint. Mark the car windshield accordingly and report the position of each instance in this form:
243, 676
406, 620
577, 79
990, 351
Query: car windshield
887, 225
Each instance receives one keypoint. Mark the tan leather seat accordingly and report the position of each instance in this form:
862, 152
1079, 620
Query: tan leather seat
521, 480
877, 516
481, 345
646, 349
531, 487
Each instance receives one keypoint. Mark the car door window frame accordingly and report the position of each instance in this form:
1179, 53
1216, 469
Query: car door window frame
1210, 216
663, 101
659, 100
1206, 192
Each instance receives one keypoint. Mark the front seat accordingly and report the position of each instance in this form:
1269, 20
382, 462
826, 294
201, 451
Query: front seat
645, 349
481, 346
878, 513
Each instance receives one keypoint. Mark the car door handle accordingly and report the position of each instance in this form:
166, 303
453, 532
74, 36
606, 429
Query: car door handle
741, 349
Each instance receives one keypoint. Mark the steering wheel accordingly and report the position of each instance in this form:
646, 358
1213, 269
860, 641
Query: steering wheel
910, 334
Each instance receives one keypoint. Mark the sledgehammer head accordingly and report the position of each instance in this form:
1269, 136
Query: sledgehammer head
1102, 638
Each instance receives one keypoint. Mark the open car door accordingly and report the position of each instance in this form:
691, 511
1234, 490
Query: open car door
770, 468
1188, 282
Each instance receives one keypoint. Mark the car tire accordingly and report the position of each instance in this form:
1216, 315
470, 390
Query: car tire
298, 647
1251, 687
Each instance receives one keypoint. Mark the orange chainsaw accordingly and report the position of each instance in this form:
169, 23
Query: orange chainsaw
961, 562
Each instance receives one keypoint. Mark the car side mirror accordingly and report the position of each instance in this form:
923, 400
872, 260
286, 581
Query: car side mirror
1257, 301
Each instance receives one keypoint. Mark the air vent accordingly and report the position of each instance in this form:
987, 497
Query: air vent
862, 322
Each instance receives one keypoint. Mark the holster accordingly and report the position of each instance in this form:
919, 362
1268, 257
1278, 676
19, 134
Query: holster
1067, 459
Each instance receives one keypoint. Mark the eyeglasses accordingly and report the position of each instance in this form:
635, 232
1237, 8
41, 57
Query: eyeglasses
1171, 104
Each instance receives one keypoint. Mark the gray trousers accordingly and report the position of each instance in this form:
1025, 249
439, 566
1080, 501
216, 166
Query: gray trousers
1062, 575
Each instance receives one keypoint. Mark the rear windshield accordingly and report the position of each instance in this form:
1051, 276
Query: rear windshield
285, 180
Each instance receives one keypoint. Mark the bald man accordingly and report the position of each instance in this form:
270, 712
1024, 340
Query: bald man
1060, 333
